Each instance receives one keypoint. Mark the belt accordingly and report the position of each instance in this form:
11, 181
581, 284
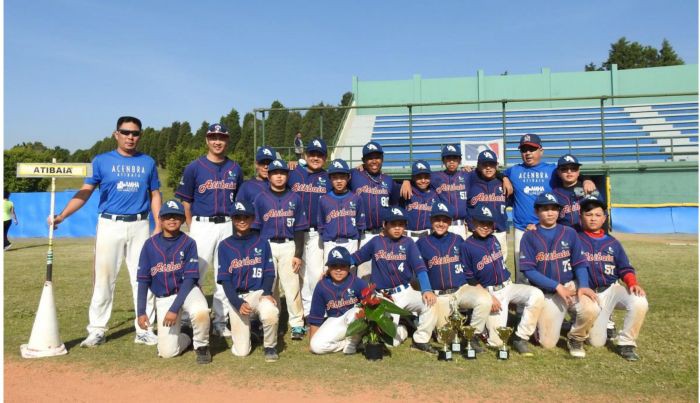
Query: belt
499, 286
311, 229
125, 217
343, 240
375, 231
217, 219
446, 292
418, 234
280, 240
601, 288
396, 289
457, 222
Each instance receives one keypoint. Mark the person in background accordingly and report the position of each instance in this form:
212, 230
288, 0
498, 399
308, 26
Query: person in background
9, 216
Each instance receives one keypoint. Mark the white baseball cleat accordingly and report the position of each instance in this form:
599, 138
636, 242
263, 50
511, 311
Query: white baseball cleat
576, 348
93, 340
148, 338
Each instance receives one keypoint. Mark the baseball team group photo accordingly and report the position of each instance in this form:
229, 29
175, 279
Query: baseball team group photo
480, 237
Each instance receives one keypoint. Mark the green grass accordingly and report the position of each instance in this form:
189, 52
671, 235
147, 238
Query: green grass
668, 343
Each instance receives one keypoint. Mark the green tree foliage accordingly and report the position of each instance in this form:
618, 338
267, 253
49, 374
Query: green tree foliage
233, 122
243, 151
177, 160
634, 55
275, 125
29, 152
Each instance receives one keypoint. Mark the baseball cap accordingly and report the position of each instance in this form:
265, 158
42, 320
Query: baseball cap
372, 147
243, 208
317, 144
487, 156
481, 212
451, 150
338, 166
172, 207
593, 199
420, 167
530, 140
568, 159
278, 165
265, 153
217, 128
546, 198
441, 209
395, 214
338, 256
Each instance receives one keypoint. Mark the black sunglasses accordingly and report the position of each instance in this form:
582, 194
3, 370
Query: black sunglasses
134, 133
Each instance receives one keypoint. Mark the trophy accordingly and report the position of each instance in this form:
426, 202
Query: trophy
504, 333
468, 334
445, 334
455, 321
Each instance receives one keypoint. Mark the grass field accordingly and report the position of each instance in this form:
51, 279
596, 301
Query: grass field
668, 343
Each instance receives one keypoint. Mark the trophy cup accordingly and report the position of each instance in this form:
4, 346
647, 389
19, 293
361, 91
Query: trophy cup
468, 334
446, 334
455, 321
504, 333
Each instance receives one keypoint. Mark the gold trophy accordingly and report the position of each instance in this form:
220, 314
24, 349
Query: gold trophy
504, 333
455, 321
468, 333
445, 334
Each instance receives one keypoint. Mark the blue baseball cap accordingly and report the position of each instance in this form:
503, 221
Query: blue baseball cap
317, 144
265, 153
487, 156
338, 166
372, 147
546, 199
338, 256
278, 165
243, 208
451, 150
530, 140
395, 214
172, 207
593, 199
420, 167
568, 159
441, 209
217, 128
481, 212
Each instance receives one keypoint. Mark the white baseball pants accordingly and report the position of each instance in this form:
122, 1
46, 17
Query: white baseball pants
312, 269
267, 312
330, 336
460, 229
287, 281
503, 241
365, 269
116, 240
618, 297
171, 342
553, 313
529, 296
467, 297
412, 301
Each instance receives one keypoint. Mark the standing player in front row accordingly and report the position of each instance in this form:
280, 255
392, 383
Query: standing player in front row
608, 263
486, 188
247, 274
552, 260
333, 306
168, 268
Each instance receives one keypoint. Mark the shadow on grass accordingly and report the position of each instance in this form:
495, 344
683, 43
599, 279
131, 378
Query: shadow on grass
27, 247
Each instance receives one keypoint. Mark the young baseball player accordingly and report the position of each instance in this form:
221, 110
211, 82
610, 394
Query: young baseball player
340, 214
486, 188
419, 205
608, 263
310, 182
552, 260
482, 256
208, 189
247, 275
129, 187
395, 262
282, 221
333, 306
569, 191
168, 268
251, 188
442, 254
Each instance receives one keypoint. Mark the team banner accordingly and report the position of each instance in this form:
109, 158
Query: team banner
57, 170
471, 150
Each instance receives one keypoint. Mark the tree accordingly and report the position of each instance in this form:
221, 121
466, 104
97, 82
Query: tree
19, 154
177, 160
232, 121
634, 55
275, 125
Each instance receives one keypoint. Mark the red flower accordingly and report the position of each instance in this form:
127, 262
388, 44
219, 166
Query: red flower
360, 314
368, 290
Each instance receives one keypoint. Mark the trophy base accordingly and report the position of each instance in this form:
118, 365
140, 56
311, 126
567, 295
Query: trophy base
456, 348
470, 354
444, 355
503, 354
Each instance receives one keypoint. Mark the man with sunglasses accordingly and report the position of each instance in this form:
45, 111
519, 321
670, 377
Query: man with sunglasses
208, 191
129, 186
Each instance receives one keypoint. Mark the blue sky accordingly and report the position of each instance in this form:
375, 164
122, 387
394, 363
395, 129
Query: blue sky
73, 66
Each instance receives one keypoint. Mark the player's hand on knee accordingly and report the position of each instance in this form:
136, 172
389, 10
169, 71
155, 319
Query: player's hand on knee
406, 189
429, 298
143, 322
567, 294
588, 293
170, 319
638, 291
296, 264
271, 299
245, 309
495, 305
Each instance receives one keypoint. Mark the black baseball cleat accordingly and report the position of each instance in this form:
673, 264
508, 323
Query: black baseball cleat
203, 355
611, 333
628, 353
424, 347
476, 344
521, 346
271, 354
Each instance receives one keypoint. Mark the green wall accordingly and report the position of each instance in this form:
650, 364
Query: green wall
642, 187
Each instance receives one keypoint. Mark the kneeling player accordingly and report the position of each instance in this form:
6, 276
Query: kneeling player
168, 265
483, 261
335, 297
247, 274
607, 264
552, 260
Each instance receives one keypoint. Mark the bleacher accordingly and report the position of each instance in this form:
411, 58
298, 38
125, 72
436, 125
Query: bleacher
659, 132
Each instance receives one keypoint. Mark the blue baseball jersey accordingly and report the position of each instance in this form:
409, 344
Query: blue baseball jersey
569, 198
250, 189
394, 262
528, 183
245, 262
331, 299
210, 187
310, 186
442, 258
483, 260
340, 216
489, 193
279, 216
555, 253
452, 188
165, 262
125, 182
607, 260
418, 208
377, 193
